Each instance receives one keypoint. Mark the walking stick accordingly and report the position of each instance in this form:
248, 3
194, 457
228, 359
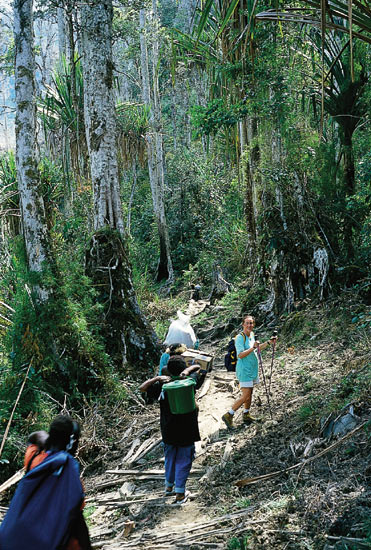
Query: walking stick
274, 336
265, 383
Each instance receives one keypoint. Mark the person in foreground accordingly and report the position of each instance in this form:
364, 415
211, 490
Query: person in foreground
179, 431
246, 371
46, 510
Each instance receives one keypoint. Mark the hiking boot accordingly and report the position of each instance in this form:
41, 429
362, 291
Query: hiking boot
228, 420
181, 498
247, 418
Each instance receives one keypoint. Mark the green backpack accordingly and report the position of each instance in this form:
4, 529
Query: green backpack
181, 395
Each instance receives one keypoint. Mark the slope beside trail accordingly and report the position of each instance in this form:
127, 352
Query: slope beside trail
315, 506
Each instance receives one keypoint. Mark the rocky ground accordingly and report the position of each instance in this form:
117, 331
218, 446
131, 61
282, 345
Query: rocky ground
318, 496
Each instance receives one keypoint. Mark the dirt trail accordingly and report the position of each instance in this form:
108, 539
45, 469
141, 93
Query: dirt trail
215, 397
311, 507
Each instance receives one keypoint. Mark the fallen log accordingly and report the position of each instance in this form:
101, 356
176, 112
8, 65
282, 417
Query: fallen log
361, 543
135, 444
144, 449
250, 480
120, 503
194, 471
205, 389
12, 480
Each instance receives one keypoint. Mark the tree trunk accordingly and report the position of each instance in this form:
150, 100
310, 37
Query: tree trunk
249, 163
349, 176
129, 339
154, 141
100, 118
31, 199
131, 199
62, 42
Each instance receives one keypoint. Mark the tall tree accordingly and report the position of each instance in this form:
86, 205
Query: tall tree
31, 198
129, 339
156, 168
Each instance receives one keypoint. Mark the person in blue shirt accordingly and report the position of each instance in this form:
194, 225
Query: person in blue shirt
173, 349
247, 370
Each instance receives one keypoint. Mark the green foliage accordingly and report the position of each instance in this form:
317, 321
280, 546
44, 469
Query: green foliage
204, 217
238, 543
243, 503
61, 336
310, 411
88, 512
217, 114
9, 198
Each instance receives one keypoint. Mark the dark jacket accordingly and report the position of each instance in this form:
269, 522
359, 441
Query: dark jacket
176, 429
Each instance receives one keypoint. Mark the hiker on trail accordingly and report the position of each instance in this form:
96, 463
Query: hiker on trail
196, 293
46, 510
173, 349
179, 431
181, 331
246, 370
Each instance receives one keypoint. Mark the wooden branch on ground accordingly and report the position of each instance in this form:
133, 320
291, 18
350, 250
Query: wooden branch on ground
361, 543
131, 451
145, 448
138, 400
120, 503
205, 389
249, 480
12, 480
224, 380
144, 541
194, 471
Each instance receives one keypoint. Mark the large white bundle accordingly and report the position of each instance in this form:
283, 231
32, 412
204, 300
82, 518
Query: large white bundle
181, 331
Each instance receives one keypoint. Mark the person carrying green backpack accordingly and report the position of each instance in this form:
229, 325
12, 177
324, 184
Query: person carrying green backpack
178, 420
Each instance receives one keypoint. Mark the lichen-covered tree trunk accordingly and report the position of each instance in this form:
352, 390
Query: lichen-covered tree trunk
31, 199
250, 170
100, 122
129, 339
151, 98
62, 40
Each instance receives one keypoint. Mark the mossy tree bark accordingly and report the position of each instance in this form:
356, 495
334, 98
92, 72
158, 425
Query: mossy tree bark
128, 337
31, 199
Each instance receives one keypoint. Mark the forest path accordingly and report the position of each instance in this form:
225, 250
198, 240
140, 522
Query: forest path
292, 511
158, 523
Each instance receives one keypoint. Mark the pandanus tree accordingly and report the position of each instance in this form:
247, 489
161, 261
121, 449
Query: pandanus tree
61, 112
129, 339
332, 27
343, 99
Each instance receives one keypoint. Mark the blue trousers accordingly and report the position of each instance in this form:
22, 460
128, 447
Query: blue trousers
178, 464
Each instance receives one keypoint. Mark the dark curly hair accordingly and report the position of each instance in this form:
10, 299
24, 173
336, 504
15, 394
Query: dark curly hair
64, 434
176, 365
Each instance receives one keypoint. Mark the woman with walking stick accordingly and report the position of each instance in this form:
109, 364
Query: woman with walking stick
247, 370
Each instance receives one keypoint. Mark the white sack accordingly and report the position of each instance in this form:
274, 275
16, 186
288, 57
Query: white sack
181, 331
